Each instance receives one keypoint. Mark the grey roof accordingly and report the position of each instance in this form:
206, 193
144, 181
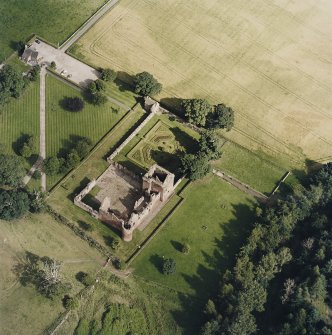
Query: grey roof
30, 55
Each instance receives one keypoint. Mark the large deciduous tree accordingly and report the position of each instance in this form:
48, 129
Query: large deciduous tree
11, 170
196, 111
146, 84
13, 204
222, 117
12, 83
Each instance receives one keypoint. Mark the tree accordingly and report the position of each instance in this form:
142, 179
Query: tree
146, 84
52, 165
108, 74
194, 166
100, 85
83, 147
11, 170
72, 159
210, 328
209, 145
53, 65
98, 99
169, 266
28, 146
75, 104
115, 244
13, 204
19, 47
11, 83
37, 201
196, 111
34, 73
222, 117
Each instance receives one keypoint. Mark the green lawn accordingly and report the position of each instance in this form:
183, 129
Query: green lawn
22, 309
61, 198
18, 118
64, 127
249, 167
227, 214
53, 20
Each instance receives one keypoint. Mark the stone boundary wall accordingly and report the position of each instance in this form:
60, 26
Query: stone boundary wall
123, 169
78, 199
130, 137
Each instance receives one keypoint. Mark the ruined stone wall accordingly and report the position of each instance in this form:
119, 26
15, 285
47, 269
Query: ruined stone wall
130, 137
78, 199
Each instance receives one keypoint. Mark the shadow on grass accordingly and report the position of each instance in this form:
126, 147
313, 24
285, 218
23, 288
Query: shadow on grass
157, 261
83, 183
205, 282
177, 245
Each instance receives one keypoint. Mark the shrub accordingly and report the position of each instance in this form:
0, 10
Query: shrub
98, 99
185, 248
34, 73
85, 278
70, 303
37, 175
53, 65
108, 74
52, 165
169, 266
118, 264
115, 244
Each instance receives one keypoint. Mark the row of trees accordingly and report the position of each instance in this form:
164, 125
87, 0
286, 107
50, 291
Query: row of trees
283, 272
54, 165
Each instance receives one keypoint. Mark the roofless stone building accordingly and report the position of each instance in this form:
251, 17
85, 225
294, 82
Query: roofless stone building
126, 201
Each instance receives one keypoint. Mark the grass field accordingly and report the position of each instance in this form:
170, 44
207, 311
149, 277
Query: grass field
227, 214
63, 127
249, 168
22, 310
266, 59
19, 117
53, 20
61, 199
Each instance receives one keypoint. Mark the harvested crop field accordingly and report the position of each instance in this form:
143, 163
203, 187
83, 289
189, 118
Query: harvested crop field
269, 60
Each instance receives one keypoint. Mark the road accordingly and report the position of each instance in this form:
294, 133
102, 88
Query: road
87, 25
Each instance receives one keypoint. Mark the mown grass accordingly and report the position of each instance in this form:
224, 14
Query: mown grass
53, 20
19, 117
249, 167
213, 219
61, 199
63, 127
22, 309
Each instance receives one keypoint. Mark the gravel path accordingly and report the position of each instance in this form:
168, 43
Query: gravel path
87, 25
42, 125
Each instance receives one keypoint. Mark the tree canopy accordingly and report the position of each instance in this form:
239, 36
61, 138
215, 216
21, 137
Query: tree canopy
12, 83
11, 170
196, 110
221, 117
13, 204
282, 279
146, 84
108, 74
73, 104
194, 166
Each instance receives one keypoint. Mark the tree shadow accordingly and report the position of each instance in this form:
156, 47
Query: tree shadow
173, 104
205, 282
185, 140
124, 81
83, 183
177, 245
170, 161
18, 144
157, 261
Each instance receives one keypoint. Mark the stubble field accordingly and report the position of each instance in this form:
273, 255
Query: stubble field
269, 60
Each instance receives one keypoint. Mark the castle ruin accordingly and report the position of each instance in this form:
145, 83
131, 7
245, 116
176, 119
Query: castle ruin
126, 201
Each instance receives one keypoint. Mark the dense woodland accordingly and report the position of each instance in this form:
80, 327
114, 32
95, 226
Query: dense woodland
282, 280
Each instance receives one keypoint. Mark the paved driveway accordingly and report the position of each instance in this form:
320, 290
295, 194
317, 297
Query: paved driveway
79, 72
